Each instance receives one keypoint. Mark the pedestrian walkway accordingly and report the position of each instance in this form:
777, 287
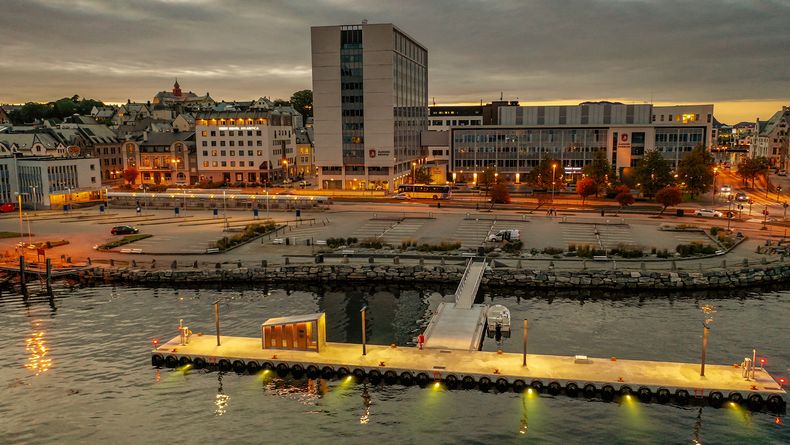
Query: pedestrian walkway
472, 233
402, 231
373, 228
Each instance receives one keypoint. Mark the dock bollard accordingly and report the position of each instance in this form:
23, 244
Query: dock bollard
89, 261
238, 264
396, 260
746, 262
195, 265
763, 260
370, 260
551, 265
584, 264
287, 261
674, 265
264, 263
218, 266
643, 266
723, 264
174, 265
112, 262
442, 263
153, 263
518, 264
134, 263
345, 258
422, 261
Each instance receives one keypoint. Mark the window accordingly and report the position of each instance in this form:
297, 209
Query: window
214, 164
93, 167
204, 133
93, 179
249, 152
222, 153
205, 152
231, 133
258, 133
249, 133
204, 143
241, 143
259, 143
250, 163
222, 133
221, 143
213, 152
213, 143
232, 163
224, 164
233, 152
213, 133
205, 163
232, 143
260, 152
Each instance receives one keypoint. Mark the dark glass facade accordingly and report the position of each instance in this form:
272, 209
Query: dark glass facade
351, 94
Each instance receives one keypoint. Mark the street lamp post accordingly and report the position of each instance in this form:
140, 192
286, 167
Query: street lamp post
715, 174
267, 204
225, 209
553, 172
34, 198
413, 172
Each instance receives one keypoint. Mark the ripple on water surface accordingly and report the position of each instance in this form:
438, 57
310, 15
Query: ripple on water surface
77, 368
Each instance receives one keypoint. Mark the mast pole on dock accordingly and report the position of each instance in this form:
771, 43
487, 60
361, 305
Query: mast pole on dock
524, 361
216, 319
364, 329
706, 329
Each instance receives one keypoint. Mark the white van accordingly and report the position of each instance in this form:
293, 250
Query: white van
504, 235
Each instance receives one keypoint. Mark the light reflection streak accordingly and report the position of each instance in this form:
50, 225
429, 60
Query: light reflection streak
365, 417
222, 400
36, 348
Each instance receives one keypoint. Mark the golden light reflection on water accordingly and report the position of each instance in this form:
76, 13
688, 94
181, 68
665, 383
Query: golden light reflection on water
36, 348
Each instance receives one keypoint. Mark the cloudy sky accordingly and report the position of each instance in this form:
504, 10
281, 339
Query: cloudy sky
735, 54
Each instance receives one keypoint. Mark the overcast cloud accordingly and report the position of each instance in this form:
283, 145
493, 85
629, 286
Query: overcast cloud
699, 51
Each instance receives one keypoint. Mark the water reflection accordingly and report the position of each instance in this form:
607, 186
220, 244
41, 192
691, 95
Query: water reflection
222, 400
524, 415
37, 351
365, 417
695, 433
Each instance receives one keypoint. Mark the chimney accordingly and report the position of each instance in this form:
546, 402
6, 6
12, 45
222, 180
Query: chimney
145, 136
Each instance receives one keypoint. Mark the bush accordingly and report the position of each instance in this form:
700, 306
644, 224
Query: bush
552, 251
695, 248
627, 251
405, 244
250, 231
571, 247
371, 243
587, 251
444, 246
514, 246
663, 253
715, 230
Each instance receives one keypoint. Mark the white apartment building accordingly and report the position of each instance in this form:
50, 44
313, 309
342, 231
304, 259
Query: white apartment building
770, 139
370, 103
245, 146
49, 181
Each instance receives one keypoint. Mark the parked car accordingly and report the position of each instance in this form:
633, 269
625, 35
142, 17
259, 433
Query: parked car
741, 197
7, 207
505, 235
708, 213
782, 173
401, 196
726, 188
124, 230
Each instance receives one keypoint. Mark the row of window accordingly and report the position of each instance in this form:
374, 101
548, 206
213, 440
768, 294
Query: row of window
205, 133
258, 143
232, 163
232, 153
458, 122
351, 85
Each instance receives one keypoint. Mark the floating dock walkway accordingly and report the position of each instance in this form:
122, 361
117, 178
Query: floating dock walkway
460, 325
663, 382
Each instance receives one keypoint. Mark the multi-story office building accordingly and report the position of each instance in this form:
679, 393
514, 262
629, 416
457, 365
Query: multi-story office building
49, 181
573, 134
245, 146
370, 102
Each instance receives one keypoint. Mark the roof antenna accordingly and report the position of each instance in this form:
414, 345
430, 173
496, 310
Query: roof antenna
434, 101
501, 95
364, 21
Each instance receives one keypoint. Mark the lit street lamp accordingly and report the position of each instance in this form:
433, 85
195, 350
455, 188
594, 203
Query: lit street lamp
553, 172
225, 209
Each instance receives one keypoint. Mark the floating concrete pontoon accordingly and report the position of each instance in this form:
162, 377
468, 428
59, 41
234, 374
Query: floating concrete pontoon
591, 377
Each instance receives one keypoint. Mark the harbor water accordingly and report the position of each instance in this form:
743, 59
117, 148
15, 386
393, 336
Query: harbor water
76, 368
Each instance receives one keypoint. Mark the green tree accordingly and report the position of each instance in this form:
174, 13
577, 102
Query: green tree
750, 168
586, 187
696, 169
487, 178
652, 173
423, 175
281, 103
668, 196
302, 102
599, 170
624, 198
500, 194
541, 176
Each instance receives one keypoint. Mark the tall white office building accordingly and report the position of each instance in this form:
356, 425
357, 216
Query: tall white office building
370, 103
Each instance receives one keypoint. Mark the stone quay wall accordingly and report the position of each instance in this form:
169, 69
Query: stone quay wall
506, 277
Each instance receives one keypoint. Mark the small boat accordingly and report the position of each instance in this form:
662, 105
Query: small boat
498, 321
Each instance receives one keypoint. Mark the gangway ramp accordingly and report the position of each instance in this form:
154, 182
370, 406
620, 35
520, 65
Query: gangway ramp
460, 325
